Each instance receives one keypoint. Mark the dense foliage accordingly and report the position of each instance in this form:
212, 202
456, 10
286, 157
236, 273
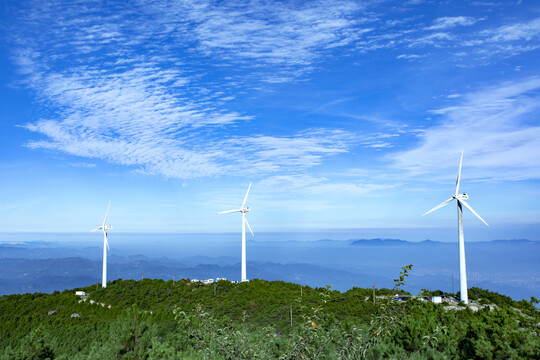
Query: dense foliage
154, 319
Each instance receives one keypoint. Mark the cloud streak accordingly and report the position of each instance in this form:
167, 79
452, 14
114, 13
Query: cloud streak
496, 127
118, 99
447, 22
311, 186
283, 33
150, 85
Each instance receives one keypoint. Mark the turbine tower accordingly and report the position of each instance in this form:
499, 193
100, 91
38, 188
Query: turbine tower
243, 210
105, 246
460, 199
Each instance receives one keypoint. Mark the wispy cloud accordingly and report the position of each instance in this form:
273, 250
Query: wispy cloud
378, 141
288, 37
83, 165
283, 32
118, 99
155, 154
261, 154
489, 42
311, 185
496, 127
438, 39
447, 22
409, 56
151, 85
512, 32
506, 40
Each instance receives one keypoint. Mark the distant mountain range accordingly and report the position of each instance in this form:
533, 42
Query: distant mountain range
380, 242
395, 242
47, 275
506, 266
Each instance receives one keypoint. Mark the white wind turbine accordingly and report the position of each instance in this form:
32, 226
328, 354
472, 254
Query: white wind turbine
243, 210
105, 246
460, 198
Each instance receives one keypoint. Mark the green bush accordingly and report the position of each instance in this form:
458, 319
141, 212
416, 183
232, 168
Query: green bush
156, 319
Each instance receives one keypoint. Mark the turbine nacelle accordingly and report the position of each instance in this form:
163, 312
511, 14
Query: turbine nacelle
102, 227
459, 197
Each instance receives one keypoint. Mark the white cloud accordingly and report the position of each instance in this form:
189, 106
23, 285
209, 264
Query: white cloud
378, 141
290, 182
514, 32
274, 32
447, 22
496, 127
409, 56
274, 154
286, 36
118, 99
83, 165
156, 154
507, 40
414, 2
437, 39
347, 189
311, 185
127, 85
484, 45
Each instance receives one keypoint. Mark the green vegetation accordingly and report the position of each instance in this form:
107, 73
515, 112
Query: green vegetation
154, 319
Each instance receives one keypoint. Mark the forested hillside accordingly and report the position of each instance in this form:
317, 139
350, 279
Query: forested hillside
154, 319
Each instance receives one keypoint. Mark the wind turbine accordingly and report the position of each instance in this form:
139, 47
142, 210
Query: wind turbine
460, 198
242, 210
105, 246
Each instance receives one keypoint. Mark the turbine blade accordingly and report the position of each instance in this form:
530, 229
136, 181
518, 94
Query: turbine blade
96, 229
474, 212
439, 206
228, 212
245, 198
107, 213
249, 227
459, 173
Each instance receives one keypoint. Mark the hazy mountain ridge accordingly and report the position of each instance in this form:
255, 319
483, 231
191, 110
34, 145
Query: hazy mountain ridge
394, 242
47, 275
506, 266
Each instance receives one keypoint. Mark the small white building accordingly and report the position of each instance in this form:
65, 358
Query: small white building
80, 293
208, 281
436, 299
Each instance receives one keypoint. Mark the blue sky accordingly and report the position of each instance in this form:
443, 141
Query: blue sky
346, 114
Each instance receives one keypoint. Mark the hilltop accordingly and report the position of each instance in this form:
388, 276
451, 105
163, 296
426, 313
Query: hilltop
158, 319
